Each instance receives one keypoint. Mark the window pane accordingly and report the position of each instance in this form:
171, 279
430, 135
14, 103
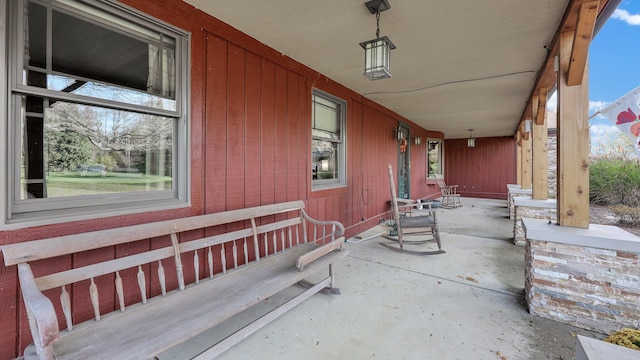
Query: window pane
327, 141
435, 155
75, 150
107, 92
35, 47
92, 53
326, 117
325, 164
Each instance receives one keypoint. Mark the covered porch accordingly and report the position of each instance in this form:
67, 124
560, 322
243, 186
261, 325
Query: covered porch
252, 74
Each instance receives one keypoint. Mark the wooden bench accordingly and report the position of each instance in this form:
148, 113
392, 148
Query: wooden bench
217, 265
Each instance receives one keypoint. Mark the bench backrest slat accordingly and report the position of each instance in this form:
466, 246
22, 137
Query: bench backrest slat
106, 267
111, 266
63, 245
214, 240
278, 225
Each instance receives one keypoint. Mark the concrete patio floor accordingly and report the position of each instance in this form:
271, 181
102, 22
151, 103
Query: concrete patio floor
465, 304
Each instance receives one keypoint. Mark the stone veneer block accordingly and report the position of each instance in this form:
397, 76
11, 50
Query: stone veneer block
526, 207
588, 278
515, 192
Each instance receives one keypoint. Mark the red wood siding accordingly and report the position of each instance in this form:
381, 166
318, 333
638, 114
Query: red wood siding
482, 171
250, 145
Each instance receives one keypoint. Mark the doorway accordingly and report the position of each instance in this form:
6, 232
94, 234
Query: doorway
404, 161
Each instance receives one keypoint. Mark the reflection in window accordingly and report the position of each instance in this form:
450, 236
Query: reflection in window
90, 150
434, 158
327, 145
98, 107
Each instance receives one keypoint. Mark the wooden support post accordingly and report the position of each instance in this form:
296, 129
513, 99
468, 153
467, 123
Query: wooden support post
573, 142
519, 160
526, 162
540, 189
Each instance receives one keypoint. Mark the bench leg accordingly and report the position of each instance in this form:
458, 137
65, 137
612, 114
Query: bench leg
329, 290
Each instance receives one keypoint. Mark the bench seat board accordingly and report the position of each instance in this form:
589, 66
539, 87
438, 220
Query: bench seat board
149, 329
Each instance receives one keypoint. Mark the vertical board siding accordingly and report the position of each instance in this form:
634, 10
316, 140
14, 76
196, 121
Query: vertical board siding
235, 124
280, 128
267, 162
481, 171
292, 138
10, 303
215, 123
253, 104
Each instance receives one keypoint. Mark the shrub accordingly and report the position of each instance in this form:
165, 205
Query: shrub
625, 337
628, 216
615, 182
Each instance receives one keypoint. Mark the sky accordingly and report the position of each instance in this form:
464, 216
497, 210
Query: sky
614, 65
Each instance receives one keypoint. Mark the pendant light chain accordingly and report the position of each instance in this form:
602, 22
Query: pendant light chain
377, 24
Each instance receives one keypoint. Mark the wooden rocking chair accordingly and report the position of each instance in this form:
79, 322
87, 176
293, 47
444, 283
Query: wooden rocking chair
450, 196
424, 224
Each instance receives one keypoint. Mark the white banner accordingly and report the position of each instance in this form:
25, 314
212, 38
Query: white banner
625, 114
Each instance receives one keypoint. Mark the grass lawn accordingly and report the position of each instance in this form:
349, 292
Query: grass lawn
62, 184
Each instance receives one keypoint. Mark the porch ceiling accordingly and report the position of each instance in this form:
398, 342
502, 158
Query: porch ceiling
459, 64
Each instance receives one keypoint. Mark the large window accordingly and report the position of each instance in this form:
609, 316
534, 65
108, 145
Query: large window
434, 158
328, 141
98, 108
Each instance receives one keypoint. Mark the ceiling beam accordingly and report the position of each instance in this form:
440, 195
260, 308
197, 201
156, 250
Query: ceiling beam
542, 107
581, 40
547, 75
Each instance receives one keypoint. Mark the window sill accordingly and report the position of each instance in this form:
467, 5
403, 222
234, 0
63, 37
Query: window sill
51, 217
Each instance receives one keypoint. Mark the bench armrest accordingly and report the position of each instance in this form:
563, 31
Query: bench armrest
40, 313
337, 226
319, 252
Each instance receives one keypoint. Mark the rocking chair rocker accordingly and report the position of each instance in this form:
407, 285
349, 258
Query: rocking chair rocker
424, 224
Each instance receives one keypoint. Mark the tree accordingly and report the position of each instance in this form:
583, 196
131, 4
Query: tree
107, 160
68, 150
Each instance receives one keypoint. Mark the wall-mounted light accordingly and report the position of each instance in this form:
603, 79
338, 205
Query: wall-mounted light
528, 125
399, 134
417, 140
376, 51
471, 141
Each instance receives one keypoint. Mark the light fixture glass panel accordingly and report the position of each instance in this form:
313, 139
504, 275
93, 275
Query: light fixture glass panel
377, 60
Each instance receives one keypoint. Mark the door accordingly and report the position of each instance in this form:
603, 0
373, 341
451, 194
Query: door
404, 162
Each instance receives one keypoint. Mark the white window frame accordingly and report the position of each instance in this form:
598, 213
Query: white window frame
42, 211
341, 181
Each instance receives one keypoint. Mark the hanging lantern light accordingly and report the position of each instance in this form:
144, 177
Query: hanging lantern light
471, 141
376, 51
